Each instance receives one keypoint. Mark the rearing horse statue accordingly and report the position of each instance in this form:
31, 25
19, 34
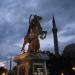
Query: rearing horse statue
34, 31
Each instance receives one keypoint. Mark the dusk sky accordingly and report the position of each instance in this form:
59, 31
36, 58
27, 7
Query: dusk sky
14, 22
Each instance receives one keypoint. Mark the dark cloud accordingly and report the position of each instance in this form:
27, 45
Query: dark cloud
14, 15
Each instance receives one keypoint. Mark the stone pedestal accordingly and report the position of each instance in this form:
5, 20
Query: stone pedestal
31, 64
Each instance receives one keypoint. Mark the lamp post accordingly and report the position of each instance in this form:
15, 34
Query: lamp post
10, 64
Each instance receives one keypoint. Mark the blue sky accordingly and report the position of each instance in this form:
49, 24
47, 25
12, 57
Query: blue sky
14, 18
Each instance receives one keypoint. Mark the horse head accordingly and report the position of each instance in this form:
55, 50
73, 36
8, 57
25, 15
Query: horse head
34, 21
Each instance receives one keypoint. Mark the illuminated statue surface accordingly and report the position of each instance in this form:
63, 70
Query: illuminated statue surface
32, 62
34, 31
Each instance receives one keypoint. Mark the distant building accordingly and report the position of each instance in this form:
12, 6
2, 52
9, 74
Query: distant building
69, 51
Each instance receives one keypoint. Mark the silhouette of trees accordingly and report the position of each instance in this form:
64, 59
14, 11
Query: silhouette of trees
3, 70
64, 63
69, 51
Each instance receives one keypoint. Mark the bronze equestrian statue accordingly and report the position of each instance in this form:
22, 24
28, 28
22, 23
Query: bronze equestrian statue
34, 31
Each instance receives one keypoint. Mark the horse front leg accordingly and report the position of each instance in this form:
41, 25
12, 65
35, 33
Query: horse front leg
23, 47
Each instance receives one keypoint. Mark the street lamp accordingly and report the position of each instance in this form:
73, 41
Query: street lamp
73, 68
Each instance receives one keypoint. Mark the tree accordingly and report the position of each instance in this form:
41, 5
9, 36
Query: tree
2, 70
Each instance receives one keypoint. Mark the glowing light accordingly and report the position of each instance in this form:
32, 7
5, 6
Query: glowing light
73, 68
3, 73
62, 73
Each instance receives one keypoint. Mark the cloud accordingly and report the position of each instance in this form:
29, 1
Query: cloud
14, 18
67, 32
2, 64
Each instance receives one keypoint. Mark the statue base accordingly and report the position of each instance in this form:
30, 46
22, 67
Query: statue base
31, 64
